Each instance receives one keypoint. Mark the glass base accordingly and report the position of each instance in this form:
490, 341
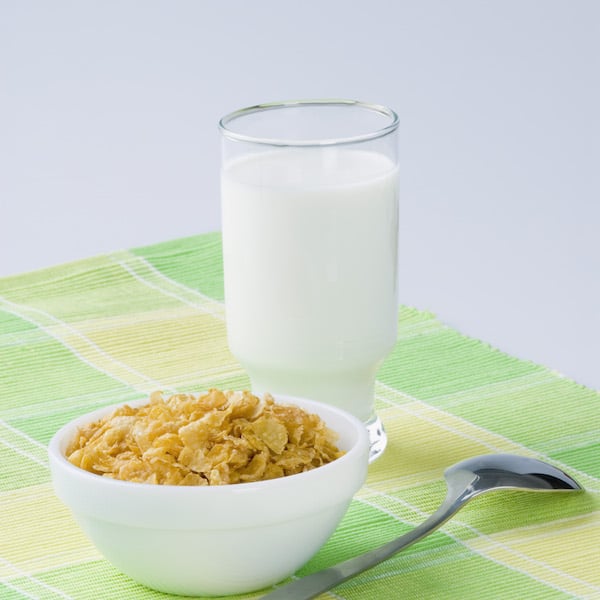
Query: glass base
377, 437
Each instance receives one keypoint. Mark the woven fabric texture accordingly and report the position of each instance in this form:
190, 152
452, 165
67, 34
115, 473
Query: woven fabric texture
115, 327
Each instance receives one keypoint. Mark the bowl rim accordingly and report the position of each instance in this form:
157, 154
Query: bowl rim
57, 445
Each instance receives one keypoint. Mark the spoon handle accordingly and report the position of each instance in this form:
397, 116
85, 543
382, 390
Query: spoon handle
321, 581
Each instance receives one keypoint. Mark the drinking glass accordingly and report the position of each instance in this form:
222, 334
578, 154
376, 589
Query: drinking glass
309, 195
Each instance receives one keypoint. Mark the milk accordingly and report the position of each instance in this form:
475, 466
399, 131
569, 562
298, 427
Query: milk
310, 258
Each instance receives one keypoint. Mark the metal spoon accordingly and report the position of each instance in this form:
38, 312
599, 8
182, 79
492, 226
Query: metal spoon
464, 481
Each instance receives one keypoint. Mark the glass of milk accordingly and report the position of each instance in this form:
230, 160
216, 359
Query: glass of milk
309, 193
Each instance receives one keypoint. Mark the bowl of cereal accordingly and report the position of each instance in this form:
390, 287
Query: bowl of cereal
211, 494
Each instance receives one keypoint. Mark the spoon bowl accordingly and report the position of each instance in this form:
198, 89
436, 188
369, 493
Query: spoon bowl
464, 481
474, 476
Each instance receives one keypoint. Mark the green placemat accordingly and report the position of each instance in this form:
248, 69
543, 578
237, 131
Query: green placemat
98, 331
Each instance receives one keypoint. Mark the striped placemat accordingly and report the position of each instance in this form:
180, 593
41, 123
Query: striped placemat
113, 328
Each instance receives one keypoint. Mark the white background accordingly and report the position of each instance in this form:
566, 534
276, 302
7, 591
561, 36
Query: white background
108, 139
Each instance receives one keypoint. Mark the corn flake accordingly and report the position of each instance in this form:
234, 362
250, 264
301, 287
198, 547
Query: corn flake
215, 438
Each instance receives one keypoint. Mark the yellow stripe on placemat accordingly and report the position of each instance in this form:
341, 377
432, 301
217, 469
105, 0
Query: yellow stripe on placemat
423, 440
164, 345
544, 552
182, 334
34, 523
170, 347
82, 347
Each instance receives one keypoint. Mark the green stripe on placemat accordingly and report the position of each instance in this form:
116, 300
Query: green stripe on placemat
180, 260
112, 328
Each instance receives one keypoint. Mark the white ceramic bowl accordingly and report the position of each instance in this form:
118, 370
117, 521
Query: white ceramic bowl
214, 540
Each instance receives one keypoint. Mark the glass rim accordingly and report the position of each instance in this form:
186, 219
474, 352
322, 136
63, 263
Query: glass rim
371, 135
